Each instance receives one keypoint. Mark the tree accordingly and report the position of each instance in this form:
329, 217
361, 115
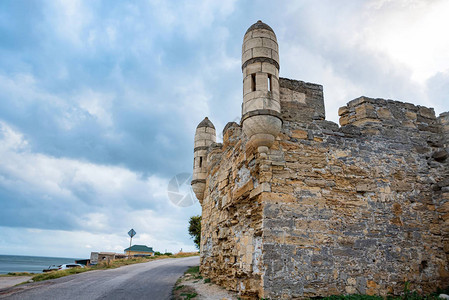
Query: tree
195, 229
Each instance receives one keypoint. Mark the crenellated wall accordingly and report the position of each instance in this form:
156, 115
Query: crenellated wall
294, 206
361, 208
354, 209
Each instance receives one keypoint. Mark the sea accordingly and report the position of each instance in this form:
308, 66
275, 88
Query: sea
31, 264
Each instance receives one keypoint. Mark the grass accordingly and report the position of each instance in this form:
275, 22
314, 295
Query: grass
106, 265
58, 274
353, 297
189, 295
12, 274
408, 295
183, 292
193, 270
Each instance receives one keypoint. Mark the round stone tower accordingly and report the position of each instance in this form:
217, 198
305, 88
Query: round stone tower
204, 137
261, 105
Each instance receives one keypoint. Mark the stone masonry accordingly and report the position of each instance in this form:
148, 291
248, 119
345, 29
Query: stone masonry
322, 209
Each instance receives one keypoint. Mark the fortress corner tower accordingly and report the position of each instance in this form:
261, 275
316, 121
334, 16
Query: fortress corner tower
261, 108
204, 137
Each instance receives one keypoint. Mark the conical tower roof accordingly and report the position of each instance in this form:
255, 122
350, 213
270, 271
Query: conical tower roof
259, 25
206, 123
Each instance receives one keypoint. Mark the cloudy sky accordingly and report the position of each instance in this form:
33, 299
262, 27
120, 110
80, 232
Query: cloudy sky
99, 100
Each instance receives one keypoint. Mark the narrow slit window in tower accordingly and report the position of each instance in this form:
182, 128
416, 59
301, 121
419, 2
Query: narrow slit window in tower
269, 83
253, 82
201, 161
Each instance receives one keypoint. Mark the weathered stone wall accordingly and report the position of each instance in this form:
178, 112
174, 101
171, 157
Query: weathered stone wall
351, 209
361, 208
231, 235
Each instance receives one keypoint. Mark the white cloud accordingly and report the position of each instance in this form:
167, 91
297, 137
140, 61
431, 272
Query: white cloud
69, 20
410, 32
97, 104
117, 198
79, 244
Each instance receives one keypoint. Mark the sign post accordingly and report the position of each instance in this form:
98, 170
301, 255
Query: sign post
131, 233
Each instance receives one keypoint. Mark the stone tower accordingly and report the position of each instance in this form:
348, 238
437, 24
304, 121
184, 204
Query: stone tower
261, 105
204, 137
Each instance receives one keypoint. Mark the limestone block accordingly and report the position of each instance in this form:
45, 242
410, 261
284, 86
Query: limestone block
410, 115
275, 95
256, 94
264, 33
204, 135
261, 52
247, 55
269, 68
343, 110
409, 124
261, 188
253, 43
275, 84
289, 95
261, 82
247, 36
253, 68
299, 134
269, 43
200, 143
426, 112
366, 187
401, 186
260, 103
244, 190
384, 113
366, 110
200, 130
275, 55
444, 208
365, 122
345, 120
247, 85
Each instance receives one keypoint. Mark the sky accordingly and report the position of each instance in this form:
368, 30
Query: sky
99, 101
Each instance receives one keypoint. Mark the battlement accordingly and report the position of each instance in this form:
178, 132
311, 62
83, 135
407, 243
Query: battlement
301, 101
367, 112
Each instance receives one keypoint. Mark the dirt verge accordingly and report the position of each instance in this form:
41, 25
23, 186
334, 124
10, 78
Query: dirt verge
193, 286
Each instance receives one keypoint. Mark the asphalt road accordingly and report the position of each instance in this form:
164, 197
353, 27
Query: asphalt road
152, 280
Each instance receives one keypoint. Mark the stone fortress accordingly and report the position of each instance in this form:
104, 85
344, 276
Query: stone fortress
294, 206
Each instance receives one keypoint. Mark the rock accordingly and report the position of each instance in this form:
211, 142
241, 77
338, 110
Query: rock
440, 155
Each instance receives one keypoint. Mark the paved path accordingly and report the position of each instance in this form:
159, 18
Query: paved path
151, 280
12, 281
